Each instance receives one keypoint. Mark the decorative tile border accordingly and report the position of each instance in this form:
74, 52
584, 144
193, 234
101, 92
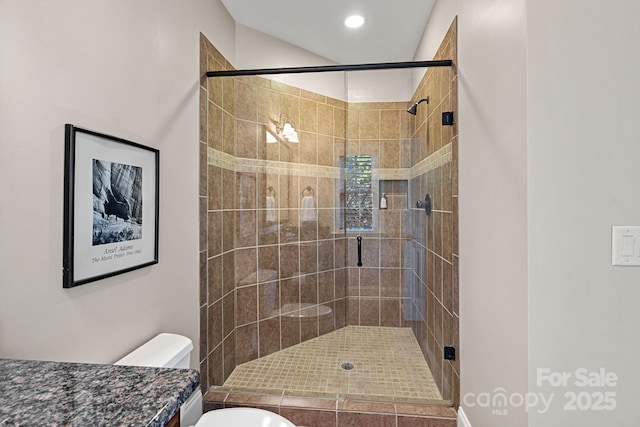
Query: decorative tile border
221, 159
391, 173
273, 167
434, 161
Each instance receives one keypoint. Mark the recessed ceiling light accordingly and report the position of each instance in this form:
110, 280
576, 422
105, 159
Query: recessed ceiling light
354, 21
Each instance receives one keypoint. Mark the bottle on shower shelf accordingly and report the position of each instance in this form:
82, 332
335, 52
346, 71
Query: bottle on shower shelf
383, 201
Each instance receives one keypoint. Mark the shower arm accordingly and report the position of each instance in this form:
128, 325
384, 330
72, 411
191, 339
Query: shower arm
326, 68
413, 109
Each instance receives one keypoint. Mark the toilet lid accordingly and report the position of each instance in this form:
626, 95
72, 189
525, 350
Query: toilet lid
245, 417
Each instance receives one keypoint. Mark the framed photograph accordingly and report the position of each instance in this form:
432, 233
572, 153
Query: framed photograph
110, 206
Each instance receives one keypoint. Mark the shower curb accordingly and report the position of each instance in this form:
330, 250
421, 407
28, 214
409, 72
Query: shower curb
333, 412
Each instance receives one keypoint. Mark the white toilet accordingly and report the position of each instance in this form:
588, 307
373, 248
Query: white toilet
174, 351
248, 417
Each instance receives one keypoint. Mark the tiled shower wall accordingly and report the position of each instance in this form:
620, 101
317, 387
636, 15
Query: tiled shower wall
259, 262
434, 244
410, 260
376, 289
217, 254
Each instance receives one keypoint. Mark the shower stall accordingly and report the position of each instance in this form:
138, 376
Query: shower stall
309, 286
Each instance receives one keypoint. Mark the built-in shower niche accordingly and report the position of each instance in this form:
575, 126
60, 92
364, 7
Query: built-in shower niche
396, 192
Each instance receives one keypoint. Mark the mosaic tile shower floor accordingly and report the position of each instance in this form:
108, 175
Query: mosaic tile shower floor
388, 365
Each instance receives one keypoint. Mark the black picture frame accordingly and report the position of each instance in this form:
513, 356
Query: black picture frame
111, 206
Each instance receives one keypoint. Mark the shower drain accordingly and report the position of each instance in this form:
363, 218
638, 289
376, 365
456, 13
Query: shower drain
347, 366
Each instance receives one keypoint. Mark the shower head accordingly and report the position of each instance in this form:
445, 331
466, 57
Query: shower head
414, 107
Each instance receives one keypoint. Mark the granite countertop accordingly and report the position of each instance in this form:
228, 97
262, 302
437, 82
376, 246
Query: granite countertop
37, 393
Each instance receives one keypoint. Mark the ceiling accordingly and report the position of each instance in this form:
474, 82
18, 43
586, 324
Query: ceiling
391, 32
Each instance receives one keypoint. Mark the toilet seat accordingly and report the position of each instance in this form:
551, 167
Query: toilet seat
245, 417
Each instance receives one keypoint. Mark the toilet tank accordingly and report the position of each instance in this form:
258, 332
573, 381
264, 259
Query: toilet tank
163, 351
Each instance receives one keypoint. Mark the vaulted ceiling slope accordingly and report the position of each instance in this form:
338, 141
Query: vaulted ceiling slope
391, 32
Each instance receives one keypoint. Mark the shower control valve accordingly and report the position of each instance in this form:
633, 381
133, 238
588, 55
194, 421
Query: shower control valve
426, 204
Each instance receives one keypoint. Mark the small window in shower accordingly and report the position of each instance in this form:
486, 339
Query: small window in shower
357, 202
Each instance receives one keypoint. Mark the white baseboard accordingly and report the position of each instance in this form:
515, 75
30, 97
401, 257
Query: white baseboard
463, 421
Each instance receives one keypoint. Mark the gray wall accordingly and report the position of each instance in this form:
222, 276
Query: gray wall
548, 113
121, 68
